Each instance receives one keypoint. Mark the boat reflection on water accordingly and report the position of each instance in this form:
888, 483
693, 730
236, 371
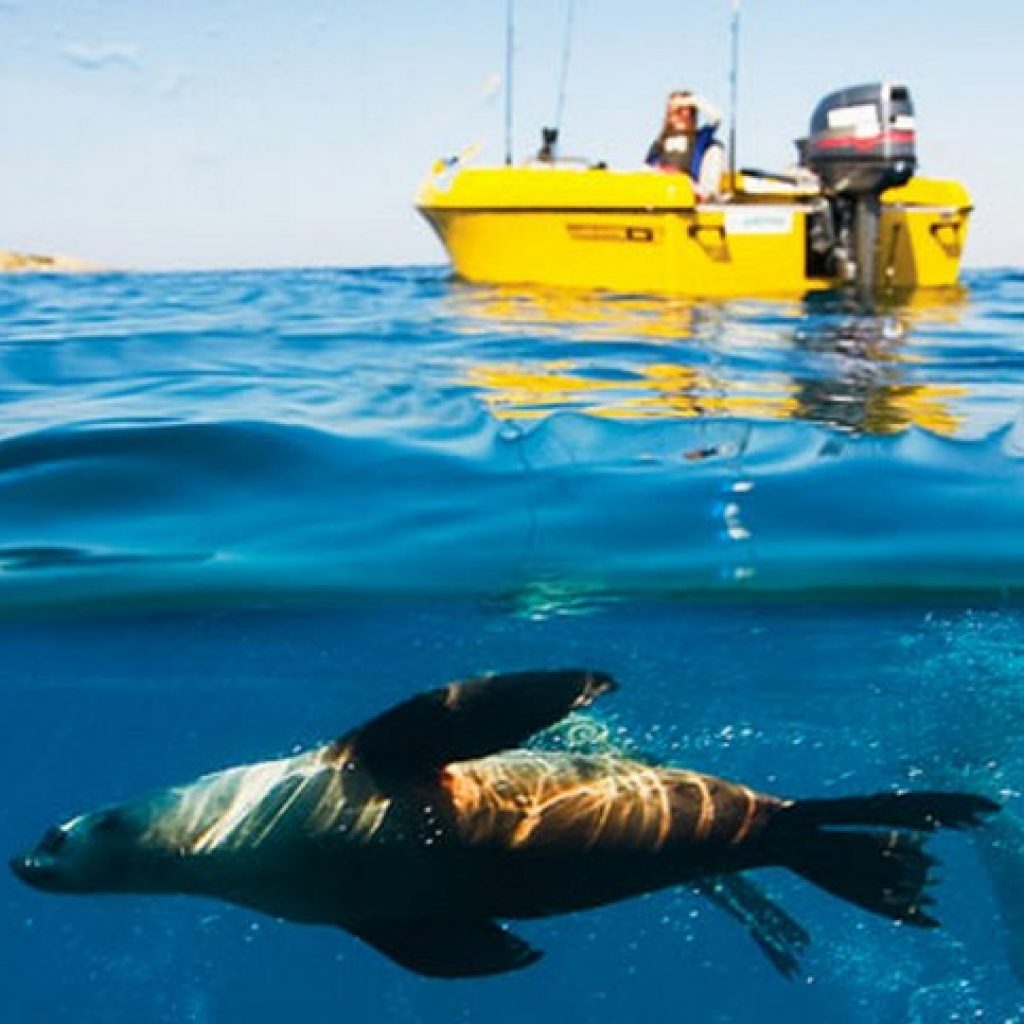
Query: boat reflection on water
866, 389
631, 358
588, 315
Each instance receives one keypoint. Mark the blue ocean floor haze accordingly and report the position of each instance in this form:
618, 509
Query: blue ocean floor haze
242, 512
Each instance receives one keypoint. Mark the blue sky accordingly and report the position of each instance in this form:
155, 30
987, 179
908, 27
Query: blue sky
257, 133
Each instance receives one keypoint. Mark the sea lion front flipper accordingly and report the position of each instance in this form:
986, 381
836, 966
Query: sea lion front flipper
450, 949
469, 719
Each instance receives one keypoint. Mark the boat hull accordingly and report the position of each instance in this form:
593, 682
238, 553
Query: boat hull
644, 232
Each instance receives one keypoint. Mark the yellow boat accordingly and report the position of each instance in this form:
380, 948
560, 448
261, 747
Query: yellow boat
854, 214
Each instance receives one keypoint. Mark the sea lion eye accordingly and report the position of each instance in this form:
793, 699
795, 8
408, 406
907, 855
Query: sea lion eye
53, 839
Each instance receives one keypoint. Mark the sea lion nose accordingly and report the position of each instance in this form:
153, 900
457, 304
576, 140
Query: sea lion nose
32, 869
21, 866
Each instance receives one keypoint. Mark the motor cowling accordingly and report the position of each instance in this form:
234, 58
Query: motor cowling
862, 139
862, 142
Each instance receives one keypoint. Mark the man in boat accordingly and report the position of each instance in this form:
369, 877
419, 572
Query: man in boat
682, 146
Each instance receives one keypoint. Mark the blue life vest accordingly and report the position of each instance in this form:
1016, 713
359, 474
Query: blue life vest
702, 141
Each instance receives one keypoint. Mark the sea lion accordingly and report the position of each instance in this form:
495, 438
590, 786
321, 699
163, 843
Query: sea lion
421, 829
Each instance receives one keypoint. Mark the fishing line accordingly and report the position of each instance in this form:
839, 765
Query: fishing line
734, 66
509, 47
570, 17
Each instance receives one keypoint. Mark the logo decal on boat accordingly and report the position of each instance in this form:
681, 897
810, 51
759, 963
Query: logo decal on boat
612, 233
758, 221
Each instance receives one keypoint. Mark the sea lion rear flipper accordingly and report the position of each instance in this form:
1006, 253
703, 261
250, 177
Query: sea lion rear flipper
878, 863
451, 949
470, 719
781, 938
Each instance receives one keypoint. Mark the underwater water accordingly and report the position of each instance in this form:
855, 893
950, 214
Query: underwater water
241, 513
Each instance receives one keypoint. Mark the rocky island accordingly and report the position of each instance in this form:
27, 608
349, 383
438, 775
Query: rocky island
23, 262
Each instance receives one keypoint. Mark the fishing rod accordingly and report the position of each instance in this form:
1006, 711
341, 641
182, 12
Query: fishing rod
566, 54
509, 46
734, 63
548, 151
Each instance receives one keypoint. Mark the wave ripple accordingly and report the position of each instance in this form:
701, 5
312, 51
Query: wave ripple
211, 438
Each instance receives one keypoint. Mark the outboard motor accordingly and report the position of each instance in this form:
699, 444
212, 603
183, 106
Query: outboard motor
861, 143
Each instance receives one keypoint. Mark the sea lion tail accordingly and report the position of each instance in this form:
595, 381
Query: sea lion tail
869, 850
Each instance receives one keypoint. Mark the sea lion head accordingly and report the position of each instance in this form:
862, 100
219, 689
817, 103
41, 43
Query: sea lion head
105, 851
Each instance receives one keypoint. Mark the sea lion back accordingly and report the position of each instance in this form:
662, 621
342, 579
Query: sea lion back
539, 800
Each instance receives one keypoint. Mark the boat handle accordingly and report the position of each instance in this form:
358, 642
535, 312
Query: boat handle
695, 230
954, 221
952, 226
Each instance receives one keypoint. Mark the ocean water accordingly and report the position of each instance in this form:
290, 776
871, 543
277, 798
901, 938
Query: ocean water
241, 513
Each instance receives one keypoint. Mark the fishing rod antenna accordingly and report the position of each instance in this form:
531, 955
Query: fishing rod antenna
509, 47
734, 63
548, 152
